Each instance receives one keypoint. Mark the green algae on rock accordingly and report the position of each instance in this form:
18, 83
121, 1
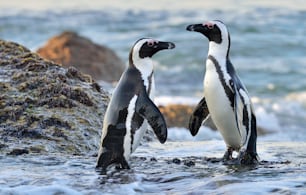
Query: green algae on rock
45, 108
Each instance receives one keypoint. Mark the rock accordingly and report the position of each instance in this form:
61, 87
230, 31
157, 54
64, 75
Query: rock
177, 115
70, 49
189, 163
17, 152
176, 161
45, 108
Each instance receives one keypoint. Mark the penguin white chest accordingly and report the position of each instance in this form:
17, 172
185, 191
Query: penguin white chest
219, 105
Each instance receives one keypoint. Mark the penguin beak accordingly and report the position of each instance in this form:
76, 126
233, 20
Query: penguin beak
198, 28
165, 45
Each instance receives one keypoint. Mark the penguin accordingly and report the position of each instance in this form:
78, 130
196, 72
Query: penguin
131, 109
226, 99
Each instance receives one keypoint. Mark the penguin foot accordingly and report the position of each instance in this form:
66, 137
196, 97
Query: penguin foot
244, 158
228, 155
120, 167
101, 170
123, 165
248, 158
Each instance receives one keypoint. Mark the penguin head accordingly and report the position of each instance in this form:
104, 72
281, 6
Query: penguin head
147, 47
143, 50
214, 30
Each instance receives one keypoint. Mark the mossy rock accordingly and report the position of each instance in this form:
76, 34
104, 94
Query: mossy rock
45, 108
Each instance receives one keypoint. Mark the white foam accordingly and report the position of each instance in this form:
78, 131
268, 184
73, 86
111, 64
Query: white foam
297, 97
166, 100
38, 190
266, 120
182, 134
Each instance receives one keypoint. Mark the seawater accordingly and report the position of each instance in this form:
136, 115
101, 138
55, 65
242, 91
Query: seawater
160, 169
268, 48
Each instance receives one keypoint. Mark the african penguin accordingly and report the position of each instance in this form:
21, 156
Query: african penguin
131, 110
225, 99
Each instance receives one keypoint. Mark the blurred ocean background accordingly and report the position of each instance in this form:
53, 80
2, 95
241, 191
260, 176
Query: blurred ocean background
268, 50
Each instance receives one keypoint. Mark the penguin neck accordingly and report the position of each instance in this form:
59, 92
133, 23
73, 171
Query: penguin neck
145, 67
219, 51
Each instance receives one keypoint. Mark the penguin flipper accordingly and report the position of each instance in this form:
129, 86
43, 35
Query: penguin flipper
199, 115
148, 110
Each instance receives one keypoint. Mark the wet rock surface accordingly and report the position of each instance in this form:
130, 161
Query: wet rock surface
70, 49
45, 107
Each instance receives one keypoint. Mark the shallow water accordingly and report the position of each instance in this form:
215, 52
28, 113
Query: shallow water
161, 169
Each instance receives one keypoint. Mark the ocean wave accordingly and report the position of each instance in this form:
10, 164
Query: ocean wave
299, 97
166, 100
183, 134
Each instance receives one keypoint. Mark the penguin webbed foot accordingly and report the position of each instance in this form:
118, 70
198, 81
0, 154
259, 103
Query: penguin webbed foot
228, 155
123, 165
243, 158
118, 167
247, 158
101, 170
106, 160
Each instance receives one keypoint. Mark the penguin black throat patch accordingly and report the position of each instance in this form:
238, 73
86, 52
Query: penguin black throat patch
229, 93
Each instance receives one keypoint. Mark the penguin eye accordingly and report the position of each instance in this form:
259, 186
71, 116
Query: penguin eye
150, 44
210, 25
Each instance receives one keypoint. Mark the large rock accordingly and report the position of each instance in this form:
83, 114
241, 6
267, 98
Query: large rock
45, 107
177, 115
70, 49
